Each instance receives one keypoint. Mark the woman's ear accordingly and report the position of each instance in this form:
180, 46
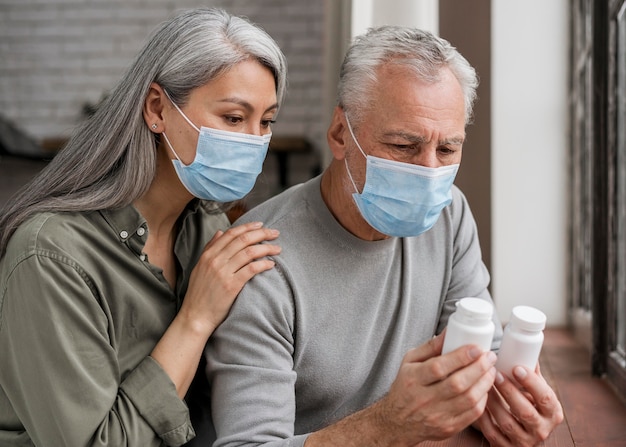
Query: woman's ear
336, 134
153, 108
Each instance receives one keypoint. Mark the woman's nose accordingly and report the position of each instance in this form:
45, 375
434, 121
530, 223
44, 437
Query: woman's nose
256, 129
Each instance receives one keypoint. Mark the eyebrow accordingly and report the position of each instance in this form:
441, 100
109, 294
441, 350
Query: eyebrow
246, 104
418, 139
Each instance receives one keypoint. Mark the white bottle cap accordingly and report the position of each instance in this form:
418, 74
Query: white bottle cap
475, 308
528, 318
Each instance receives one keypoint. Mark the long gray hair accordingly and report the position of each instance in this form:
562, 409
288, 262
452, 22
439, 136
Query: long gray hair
110, 160
420, 50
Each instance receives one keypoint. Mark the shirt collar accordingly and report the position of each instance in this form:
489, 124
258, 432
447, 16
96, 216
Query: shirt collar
131, 228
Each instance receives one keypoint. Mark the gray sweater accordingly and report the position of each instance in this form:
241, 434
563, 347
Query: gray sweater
323, 334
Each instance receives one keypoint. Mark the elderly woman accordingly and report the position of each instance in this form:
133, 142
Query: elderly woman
116, 262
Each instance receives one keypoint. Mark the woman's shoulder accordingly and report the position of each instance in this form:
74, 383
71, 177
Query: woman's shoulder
48, 232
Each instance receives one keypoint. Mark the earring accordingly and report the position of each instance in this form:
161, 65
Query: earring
154, 126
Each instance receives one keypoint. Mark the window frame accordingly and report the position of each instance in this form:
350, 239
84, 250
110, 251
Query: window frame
598, 229
616, 140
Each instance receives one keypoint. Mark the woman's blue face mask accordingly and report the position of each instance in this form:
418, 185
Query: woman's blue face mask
226, 164
402, 199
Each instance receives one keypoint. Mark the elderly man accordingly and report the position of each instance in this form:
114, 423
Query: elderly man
336, 345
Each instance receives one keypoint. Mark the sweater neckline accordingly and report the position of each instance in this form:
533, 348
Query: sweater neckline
336, 231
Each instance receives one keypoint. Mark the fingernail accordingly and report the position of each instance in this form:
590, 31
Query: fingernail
499, 378
492, 357
474, 353
519, 372
257, 224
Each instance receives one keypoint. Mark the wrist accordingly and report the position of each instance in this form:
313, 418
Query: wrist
193, 325
371, 426
386, 427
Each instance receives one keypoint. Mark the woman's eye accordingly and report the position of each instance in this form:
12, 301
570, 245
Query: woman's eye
233, 119
267, 123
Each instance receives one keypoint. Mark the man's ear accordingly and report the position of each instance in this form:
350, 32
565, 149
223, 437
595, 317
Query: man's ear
337, 134
153, 108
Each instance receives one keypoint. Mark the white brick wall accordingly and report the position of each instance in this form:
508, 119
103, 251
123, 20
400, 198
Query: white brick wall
58, 55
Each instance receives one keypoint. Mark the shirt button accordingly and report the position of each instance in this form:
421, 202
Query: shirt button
141, 231
124, 234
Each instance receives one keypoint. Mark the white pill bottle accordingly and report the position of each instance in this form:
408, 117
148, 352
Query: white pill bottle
470, 324
522, 340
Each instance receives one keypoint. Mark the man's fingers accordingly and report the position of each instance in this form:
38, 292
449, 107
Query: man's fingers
425, 351
543, 396
506, 422
540, 414
442, 367
490, 430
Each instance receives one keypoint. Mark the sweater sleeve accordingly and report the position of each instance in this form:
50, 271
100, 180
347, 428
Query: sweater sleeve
469, 276
59, 366
250, 367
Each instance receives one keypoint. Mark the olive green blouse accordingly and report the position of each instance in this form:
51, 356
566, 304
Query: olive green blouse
81, 309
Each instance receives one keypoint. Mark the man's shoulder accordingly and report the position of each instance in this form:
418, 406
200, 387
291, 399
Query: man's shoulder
457, 196
288, 204
459, 204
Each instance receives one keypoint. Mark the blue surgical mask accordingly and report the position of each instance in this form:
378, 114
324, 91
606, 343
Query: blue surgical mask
226, 164
402, 199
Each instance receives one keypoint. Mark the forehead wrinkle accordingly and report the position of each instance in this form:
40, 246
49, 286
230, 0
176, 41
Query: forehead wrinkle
420, 139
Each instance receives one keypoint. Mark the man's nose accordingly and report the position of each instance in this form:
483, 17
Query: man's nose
427, 157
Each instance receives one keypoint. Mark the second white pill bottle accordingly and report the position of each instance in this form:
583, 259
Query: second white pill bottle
470, 324
522, 340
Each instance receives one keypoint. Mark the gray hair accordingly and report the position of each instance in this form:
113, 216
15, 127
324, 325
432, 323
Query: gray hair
420, 50
110, 160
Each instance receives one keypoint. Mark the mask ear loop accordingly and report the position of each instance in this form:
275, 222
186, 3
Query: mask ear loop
186, 119
180, 111
352, 133
167, 140
350, 175
345, 160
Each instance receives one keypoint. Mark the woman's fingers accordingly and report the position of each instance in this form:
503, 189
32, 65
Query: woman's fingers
229, 260
236, 238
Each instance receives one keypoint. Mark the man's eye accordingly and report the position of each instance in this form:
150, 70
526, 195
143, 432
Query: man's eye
446, 151
403, 147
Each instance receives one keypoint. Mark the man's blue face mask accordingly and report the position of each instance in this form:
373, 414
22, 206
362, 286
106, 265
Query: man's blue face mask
402, 199
226, 164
